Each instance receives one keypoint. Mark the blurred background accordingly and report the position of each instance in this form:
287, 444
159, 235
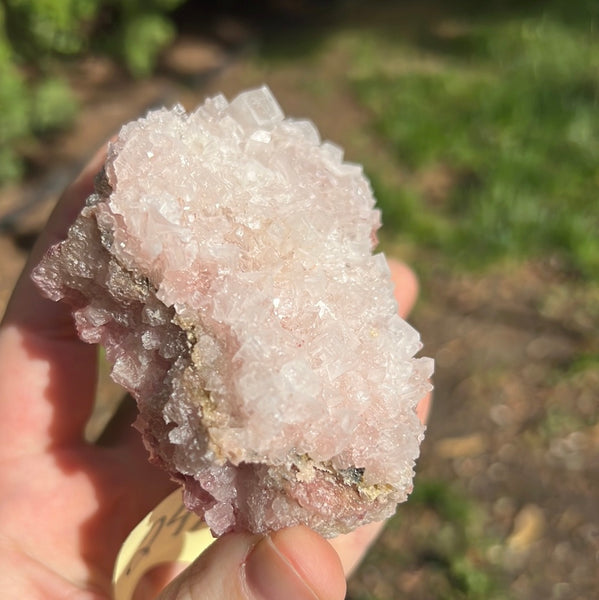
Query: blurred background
478, 125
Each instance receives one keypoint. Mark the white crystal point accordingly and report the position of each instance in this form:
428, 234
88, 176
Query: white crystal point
226, 264
256, 109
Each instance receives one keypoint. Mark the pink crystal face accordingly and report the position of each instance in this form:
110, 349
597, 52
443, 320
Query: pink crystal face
225, 262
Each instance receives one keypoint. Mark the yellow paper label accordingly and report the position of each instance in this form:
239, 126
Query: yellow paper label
167, 534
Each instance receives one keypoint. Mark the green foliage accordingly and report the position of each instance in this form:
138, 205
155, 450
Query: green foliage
36, 35
459, 544
443, 500
142, 31
13, 113
42, 26
442, 535
143, 38
514, 120
52, 105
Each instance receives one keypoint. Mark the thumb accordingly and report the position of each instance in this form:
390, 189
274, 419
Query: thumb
294, 564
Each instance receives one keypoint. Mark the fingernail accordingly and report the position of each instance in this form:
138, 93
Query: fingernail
270, 575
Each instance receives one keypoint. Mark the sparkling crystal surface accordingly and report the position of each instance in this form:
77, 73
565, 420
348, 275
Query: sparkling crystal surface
226, 263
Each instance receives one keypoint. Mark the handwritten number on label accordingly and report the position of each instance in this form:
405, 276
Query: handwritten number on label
169, 533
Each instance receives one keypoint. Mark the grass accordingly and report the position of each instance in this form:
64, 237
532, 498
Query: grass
439, 534
509, 107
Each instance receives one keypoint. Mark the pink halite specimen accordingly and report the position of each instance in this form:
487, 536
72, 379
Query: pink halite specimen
225, 262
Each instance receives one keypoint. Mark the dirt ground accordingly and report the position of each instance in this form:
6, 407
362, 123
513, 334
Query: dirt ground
514, 434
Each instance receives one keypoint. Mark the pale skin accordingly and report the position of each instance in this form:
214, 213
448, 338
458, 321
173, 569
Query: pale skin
66, 505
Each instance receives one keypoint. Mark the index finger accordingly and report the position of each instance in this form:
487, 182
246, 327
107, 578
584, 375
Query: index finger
47, 375
27, 307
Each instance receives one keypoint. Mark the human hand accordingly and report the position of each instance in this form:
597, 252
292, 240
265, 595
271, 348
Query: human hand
66, 505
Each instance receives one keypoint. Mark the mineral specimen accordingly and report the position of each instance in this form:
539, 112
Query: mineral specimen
225, 262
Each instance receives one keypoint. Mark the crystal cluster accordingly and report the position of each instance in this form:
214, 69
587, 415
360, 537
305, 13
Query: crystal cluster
225, 262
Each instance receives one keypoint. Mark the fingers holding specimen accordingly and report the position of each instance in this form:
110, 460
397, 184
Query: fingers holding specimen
47, 375
406, 285
293, 563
